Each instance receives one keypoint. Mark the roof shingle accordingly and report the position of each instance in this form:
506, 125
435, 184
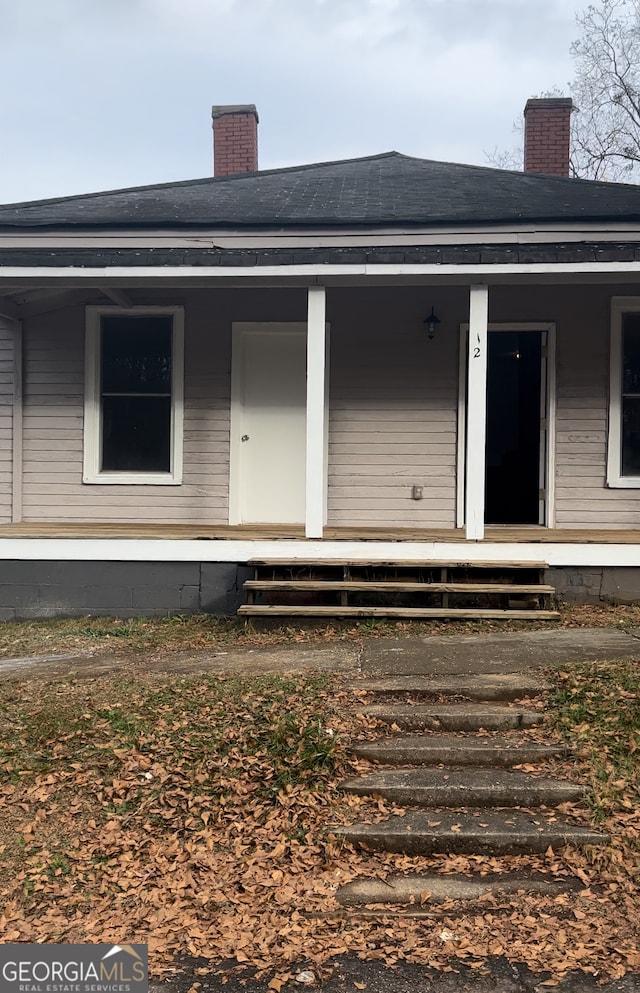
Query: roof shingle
382, 190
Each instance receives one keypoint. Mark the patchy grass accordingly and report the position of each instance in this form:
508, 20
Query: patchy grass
189, 719
597, 710
162, 636
194, 813
179, 808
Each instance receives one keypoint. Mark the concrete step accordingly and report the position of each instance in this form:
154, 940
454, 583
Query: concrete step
480, 686
451, 749
466, 787
432, 889
471, 832
454, 717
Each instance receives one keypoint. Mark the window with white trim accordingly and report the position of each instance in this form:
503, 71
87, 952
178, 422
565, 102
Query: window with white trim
623, 460
134, 395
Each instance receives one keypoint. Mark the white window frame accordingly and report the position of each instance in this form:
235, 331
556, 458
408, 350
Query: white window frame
619, 307
92, 408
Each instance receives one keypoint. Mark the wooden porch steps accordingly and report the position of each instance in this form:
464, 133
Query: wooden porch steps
318, 586
275, 610
401, 589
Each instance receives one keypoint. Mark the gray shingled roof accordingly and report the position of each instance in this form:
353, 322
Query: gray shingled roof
387, 189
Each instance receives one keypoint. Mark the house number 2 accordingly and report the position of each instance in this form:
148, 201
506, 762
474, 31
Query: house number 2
476, 353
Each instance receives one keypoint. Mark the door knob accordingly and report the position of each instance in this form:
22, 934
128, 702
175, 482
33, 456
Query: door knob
245, 437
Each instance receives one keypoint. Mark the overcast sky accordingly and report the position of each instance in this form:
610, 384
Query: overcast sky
100, 94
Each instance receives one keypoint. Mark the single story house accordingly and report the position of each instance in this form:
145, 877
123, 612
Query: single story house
378, 360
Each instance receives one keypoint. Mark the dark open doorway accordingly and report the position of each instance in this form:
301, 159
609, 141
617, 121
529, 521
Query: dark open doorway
514, 411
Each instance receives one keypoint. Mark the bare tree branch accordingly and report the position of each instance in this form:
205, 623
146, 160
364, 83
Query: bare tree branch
605, 140
606, 92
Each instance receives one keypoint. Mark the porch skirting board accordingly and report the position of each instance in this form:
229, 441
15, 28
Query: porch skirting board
41, 588
571, 549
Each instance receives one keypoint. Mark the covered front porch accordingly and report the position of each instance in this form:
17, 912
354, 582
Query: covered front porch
396, 440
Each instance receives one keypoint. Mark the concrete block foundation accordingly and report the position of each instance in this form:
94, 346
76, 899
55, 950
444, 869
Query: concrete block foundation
606, 584
41, 589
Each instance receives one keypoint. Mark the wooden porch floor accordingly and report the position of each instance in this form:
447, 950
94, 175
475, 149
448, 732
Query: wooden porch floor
271, 532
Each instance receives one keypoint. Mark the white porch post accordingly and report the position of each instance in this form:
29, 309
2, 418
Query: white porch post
316, 374
476, 412
11, 327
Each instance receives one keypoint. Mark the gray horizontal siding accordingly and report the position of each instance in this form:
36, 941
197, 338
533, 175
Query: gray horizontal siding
582, 497
54, 425
393, 412
7, 372
393, 408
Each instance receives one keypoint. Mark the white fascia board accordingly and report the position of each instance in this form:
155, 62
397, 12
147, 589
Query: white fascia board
323, 237
315, 273
220, 550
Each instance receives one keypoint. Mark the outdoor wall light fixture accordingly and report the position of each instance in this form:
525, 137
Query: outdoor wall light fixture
431, 323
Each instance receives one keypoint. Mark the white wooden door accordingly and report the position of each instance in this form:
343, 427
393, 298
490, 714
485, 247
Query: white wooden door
268, 424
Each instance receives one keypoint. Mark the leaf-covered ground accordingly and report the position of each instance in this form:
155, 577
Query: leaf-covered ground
161, 636
194, 814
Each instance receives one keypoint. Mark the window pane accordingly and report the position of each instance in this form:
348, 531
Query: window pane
136, 434
136, 354
631, 354
631, 436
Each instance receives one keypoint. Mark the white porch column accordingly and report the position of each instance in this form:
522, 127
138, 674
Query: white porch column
316, 375
11, 329
476, 412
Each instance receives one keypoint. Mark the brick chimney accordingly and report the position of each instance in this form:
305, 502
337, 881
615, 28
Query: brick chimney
235, 139
547, 124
